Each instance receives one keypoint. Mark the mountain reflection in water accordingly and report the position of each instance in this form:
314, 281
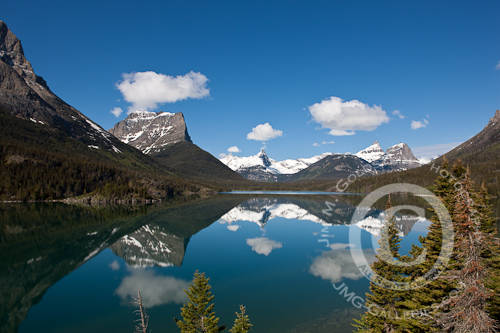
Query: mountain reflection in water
43, 243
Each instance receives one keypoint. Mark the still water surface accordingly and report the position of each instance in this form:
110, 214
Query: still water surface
75, 269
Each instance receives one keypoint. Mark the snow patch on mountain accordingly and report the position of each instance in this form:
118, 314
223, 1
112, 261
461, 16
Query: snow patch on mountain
289, 166
371, 153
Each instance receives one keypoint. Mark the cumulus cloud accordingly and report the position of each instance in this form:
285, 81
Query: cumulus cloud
416, 124
155, 289
145, 90
264, 132
117, 111
233, 149
497, 67
345, 117
338, 264
427, 153
398, 113
315, 144
263, 245
114, 265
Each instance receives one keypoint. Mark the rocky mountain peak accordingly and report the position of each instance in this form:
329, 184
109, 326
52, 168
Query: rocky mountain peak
151, 131
401, 152
263, 156
371, 153
11, 52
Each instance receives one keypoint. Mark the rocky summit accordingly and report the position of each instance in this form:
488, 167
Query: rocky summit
150, 132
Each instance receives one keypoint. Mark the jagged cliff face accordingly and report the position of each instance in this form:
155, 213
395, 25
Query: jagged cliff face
150, 132
27, 96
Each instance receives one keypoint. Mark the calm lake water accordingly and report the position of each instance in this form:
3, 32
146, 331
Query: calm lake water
76, 269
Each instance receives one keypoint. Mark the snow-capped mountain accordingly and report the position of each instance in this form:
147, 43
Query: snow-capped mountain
151, 131
371, 153
262, 167
397, 157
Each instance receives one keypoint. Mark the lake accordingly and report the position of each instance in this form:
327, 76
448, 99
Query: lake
76, 269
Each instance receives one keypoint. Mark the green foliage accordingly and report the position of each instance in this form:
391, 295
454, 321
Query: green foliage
198, 313
388, 305
242, 323
42, 163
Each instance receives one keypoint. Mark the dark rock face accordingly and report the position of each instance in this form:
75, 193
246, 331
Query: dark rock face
25, 95
151, 131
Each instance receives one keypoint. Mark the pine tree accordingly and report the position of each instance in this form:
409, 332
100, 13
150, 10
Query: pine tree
436, 287
387, 305
242, 323
465, 310
198, 315
491, 250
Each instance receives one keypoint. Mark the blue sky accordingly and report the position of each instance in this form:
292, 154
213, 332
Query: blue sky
270, 61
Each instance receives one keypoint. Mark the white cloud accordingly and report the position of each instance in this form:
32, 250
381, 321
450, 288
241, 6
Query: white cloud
317, 144
233, 227
264, 132
155, 289
497, 67
346, 117
263, 245
427, 153
117, 111
145, 90
416, 124
114, 265
338, 264
398, 113
233, 149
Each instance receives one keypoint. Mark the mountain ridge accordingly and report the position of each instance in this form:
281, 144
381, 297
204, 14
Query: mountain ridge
261, 167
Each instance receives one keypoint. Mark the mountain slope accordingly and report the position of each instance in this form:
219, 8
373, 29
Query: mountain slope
481, 153
334, 167
189, 160
50, 150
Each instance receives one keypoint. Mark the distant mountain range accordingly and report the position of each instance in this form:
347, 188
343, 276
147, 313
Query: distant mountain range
371, 160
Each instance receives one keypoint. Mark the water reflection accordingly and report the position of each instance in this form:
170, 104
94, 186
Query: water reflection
155, 289
338, 263
263, 245
156, 249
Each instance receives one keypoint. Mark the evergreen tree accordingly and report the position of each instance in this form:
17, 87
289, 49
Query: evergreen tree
387, 304
242, 323
465, 310
198, 315
491, 250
